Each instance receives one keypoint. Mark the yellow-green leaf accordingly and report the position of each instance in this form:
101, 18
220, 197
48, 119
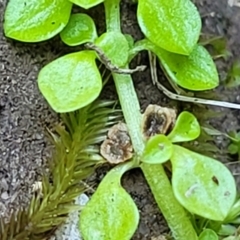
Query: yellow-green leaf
80, 29
111, 213
115, 46
35, 20
172, 25
186, 128
71, 82
158, 150
194, 72
86, 3
201, 184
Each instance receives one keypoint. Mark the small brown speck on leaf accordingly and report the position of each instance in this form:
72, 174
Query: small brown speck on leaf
227, 193
215, 180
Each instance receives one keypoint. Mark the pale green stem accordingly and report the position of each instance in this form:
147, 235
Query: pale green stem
112, 15
131, 109
174, 213
176, 217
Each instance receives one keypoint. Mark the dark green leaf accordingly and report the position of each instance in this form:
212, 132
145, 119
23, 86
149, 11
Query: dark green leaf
70, 82
202, 185
233, 77
212, 131
172, 25
36, 20
219, 45
80, 29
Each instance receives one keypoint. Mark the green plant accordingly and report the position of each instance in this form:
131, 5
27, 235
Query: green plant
74, 159
233, 76
234, 146
200, 185
233, 136
218, 46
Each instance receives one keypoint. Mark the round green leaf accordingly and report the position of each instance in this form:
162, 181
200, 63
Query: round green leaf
36, 20
115, 46
208, 234
173, 25
70, 82
201, 184
158, 150
194, 72
111, 213
186, 128
86, 3
80, 29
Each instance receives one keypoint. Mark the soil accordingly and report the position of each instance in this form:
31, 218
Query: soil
24, 114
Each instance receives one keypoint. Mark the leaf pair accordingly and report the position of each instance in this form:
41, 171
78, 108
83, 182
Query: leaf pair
159, 148
73, 81
201, 184
36, 20
174, 28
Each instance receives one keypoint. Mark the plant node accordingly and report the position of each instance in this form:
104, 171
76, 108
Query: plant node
107, 62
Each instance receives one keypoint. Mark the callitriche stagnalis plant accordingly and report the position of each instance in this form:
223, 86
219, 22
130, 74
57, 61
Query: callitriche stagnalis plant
199, 200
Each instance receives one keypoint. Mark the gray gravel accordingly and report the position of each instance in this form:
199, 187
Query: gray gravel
70, 229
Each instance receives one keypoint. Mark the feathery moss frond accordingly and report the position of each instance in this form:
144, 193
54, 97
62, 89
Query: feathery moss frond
75, 157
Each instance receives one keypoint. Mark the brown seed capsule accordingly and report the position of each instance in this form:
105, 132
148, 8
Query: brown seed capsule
119, 134
118, 147
161, 237
157, 120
